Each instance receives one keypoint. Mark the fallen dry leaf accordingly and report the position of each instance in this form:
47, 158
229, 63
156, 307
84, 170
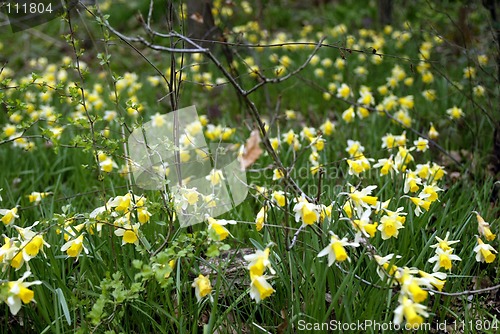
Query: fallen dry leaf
283, 326
252, 150
197, 17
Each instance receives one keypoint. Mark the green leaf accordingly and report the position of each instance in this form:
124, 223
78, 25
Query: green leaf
64, 305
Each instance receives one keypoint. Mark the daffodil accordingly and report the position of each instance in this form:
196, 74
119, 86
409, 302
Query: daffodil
348, 208
354, 147
455, 113
443, 259
364, 226
484, 252
143, 215
260, 288
259, 262
158, 120
318, 143
410, 286
261, 218
385, 267
336, 249
429, 192
340, 63
19, 293
407, 102
279, 198
218, 229
275, 144
290, 114
403, 116
358, 165
202, 286
308, 133
423, 170
9, 249
383, 90
363, 197
215, 177
410, 311
484, 228
9, 215
419, 204
389, 227
412, 182
433, 134
478, 91
325, 211
129, 233
327, 128
421, 144
344, 91
389, 141
306, 212
436, 279
366, 98
289, 137
398, 72
403, 158
482, 60
386, 166
390, 102
469, 72
428, 94
121, 203
36, 197
12, 254
348, 115
194, 128
106, 163
74, 247
277, 174
444, 244
33, 242
437, 172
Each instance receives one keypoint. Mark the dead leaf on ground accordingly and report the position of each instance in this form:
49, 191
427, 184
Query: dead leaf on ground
283, 326
197, 17
455, 176
252, 150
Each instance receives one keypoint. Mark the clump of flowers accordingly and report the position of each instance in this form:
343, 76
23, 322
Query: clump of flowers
444, 254
258, 263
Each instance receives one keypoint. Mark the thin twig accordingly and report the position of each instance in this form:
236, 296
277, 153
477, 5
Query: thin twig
289, 75
360, 278
295, 236
465, 292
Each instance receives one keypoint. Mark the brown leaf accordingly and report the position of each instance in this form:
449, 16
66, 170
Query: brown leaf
197, 17
283, 326
252, 150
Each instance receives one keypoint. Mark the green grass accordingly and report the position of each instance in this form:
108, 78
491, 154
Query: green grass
134, 288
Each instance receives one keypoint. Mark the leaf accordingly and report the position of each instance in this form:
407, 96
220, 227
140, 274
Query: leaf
64, 305
251, 151
283, 326
197, 17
